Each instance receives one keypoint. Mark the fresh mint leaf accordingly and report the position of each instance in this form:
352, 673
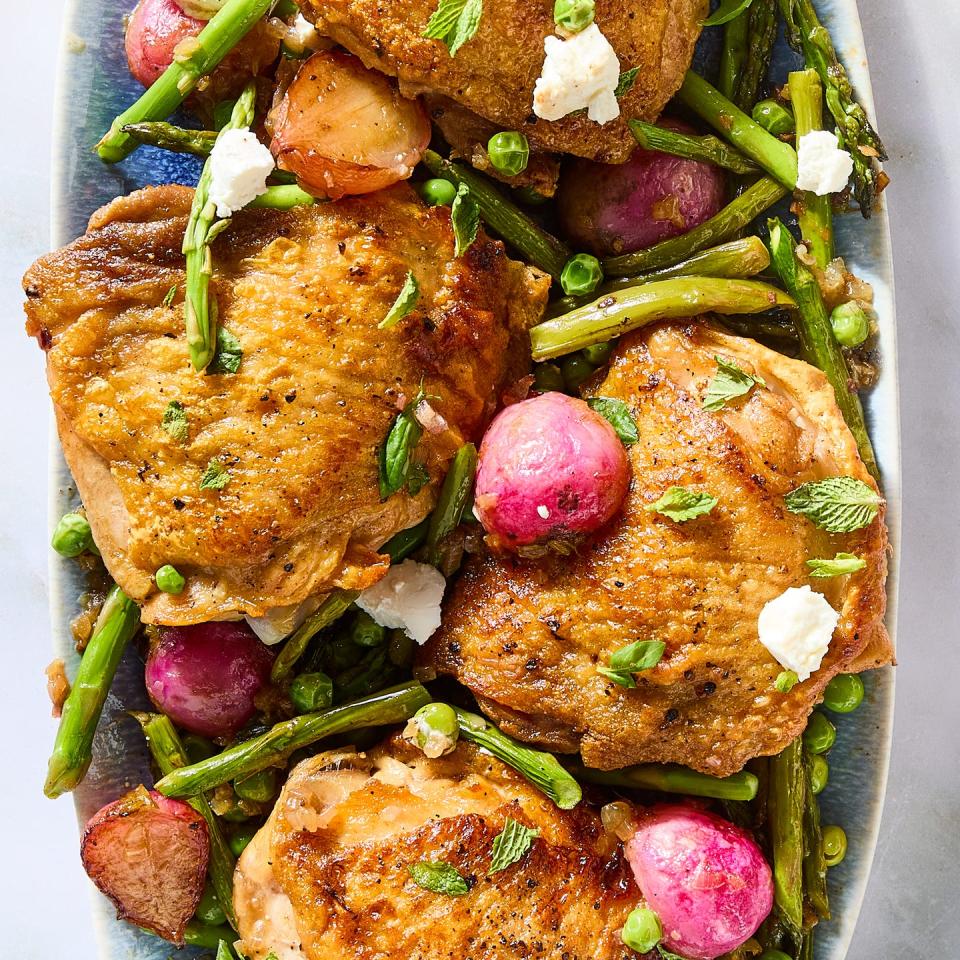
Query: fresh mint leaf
618, 414
837, 504
625, 84
228, 355
224, 952
175, 421
510, 845
215, 477
633, 658
171, 295
455, 22
439, 877
397, 466
681, 504
665, 954
465, 217
728, 383
405, 302
786, 681
840, 565
727, 11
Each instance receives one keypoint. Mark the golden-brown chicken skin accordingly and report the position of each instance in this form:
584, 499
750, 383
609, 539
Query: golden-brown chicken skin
299, 426
493, 75
328, 875
527, 636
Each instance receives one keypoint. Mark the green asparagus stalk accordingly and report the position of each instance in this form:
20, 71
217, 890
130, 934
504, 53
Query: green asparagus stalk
668, 778
769, 328
402, 544
169, 755
72, 750
854, 129
542, 769
453, 497
736, 259
762, 34
284, 196
200, 311
814, 861
275, 746
817, 339
785, 805
815, 217
221, 34
167, 136
203, 935
734, 55
725, 225
635, 307
779, 159
709, 149
503, 217
330, 610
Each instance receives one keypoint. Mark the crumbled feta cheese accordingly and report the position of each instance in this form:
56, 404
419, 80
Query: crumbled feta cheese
239, 167
277, 624
581, 71
409, 597
304, 33
821, 165
544, 511
796, 628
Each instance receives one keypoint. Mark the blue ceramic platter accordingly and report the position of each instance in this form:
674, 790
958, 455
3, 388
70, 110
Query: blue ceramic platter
94, 86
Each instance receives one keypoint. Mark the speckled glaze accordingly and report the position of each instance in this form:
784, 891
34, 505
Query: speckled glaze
93, 87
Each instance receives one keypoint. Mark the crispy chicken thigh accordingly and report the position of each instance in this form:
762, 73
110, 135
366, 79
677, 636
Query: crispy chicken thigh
527, 637
493, 75
328, 875
298, 427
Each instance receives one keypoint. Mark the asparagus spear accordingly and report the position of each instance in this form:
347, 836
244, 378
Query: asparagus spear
815, 217
221, 34
734, 55
779, 159
72, 749
854, 129
630, 309
785, 805
283, 196
167, 136
668, 778
762, 34
814, 861
709, 149
274, 746
402, 544
169, 755
736, 259
330, 610
543, 770
817, 340
452, 499
503, 217
724, 226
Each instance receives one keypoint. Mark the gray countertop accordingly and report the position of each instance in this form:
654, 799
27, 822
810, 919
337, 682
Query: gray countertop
910, 908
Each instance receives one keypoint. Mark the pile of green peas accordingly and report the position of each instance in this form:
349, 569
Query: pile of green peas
567, 375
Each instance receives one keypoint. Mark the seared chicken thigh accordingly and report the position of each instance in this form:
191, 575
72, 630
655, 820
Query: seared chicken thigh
298, 427
527, 636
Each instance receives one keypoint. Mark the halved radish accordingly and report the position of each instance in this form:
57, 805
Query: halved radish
343, 129
154, 30
149, 855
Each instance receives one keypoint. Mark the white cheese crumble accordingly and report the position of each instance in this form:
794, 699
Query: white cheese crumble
408, 597
822, 166
544, 511
580, 72
796, 628
304, 33
239, 167
277, 624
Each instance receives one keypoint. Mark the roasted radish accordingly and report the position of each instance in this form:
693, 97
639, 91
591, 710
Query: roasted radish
154, 30
343, 129
148, 854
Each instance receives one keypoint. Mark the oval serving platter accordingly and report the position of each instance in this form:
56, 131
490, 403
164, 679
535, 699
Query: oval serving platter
94, 86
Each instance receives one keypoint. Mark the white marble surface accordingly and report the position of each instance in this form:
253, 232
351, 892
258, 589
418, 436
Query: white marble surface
911, 902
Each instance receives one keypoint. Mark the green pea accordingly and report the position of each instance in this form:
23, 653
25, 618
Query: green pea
509, 152
311, 691
573, 15
209, 909
258, 787
547, 377
786, 681
576, 369
774, 117
198, 748
235, 813
834, 845
366, 632
437, 192
72, 535
820, 734
642, 931
400, 649
240, 839
819, 773
844, 693
169, 579
582, 274
437, 729
599, 353
851, 325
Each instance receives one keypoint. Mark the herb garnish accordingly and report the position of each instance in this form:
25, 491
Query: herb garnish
729, 382
175, 421
618, 414
786, 681
625, 84
465, 217
405, 302
510, 845
840, 565
397, 466
633, 658
229, 353
837, 504
681, 504
215, 477
439, 877
727, 11
455, 22
170, 296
